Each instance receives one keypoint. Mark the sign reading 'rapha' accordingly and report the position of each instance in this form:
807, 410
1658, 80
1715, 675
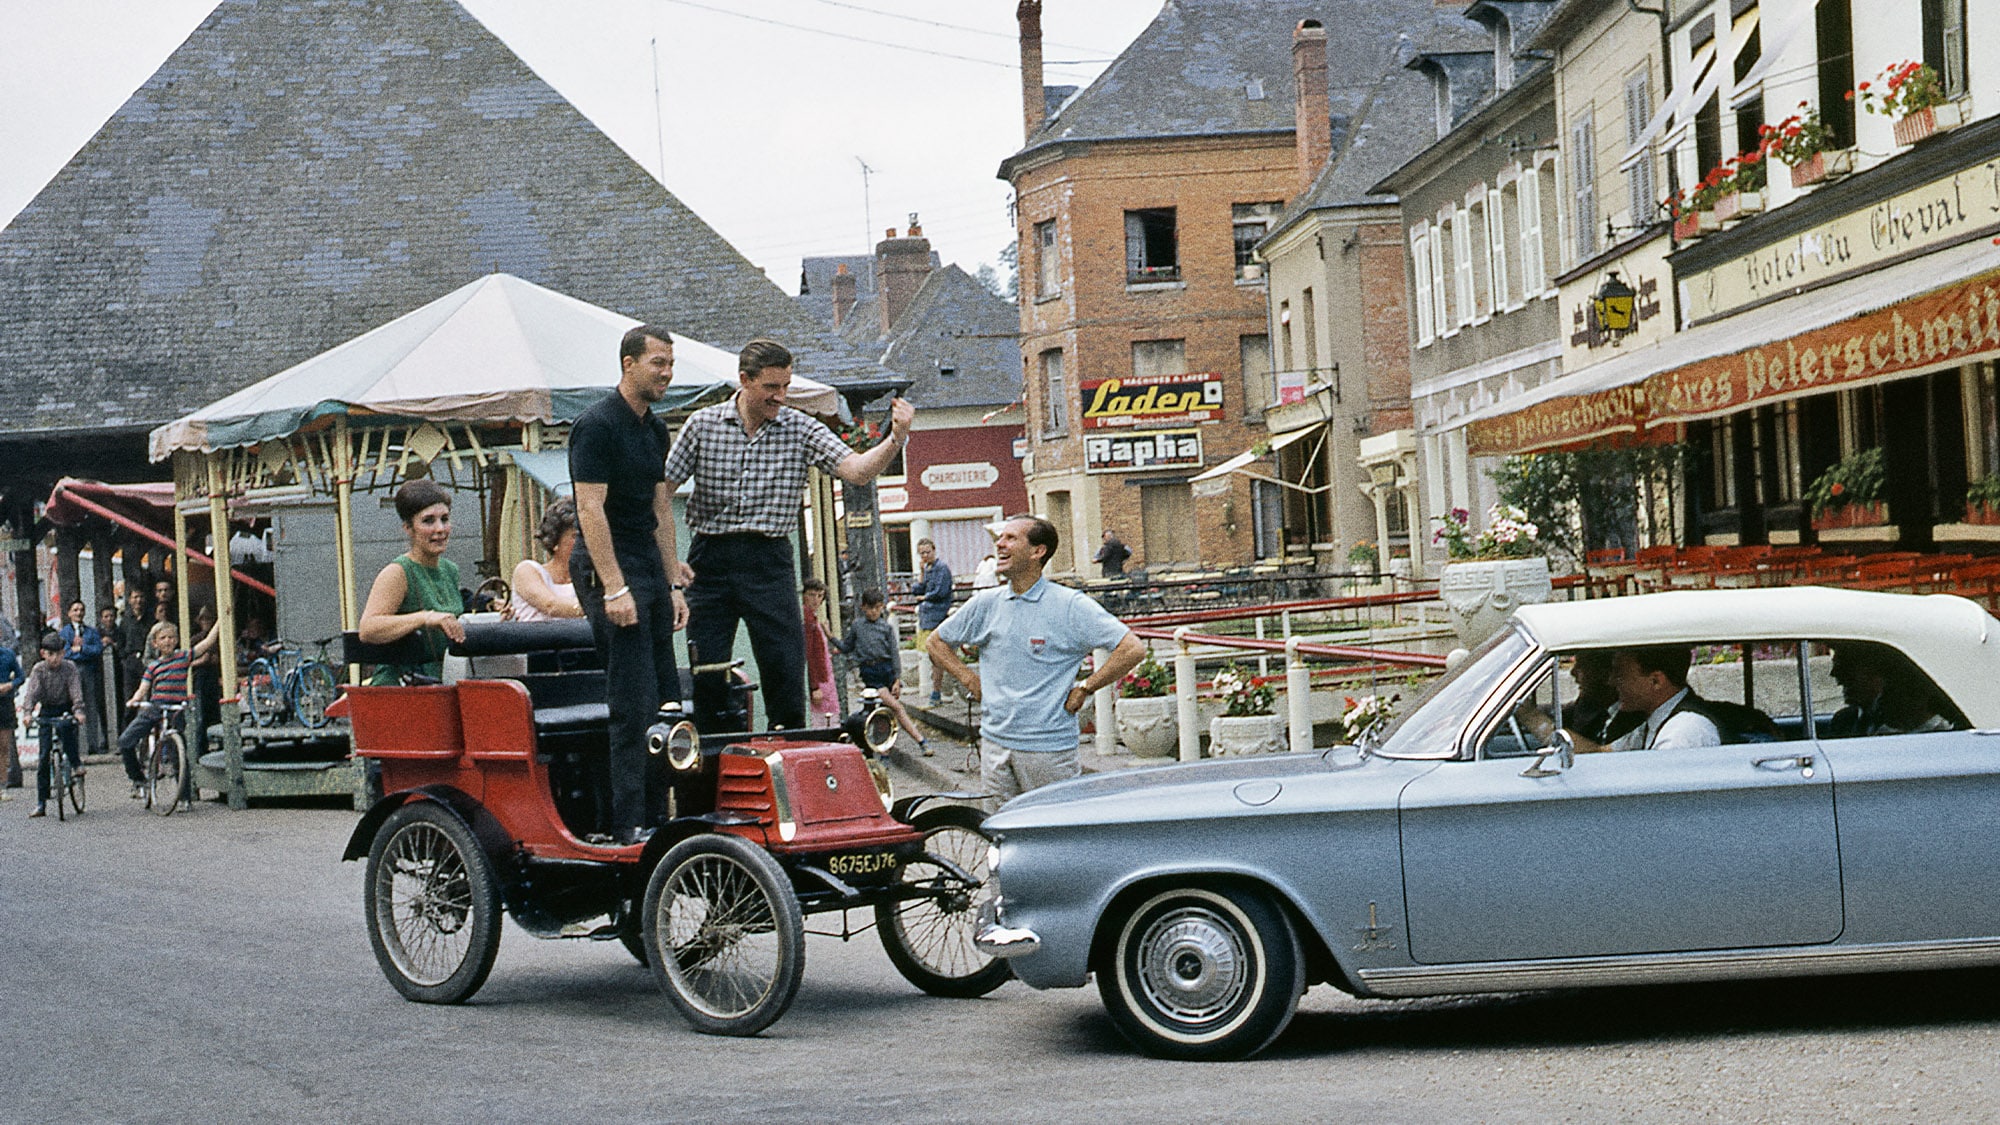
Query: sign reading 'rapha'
1158, 449
1151, 400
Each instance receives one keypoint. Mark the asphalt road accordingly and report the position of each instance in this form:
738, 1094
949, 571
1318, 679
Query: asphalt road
214, 966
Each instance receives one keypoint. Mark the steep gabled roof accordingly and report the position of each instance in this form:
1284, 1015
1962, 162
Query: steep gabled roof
297, 174
1210, 67
958, 343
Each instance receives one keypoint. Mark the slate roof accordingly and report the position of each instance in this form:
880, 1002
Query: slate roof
816, 281
953, 324
296, 174
1206, 67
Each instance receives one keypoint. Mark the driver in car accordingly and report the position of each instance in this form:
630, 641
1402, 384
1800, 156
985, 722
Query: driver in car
1650, 680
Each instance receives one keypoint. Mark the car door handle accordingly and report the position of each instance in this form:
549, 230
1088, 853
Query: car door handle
1801, 762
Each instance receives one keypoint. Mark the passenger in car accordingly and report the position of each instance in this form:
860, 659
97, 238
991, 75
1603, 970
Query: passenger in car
1651, 680
1885, 693
1595, 713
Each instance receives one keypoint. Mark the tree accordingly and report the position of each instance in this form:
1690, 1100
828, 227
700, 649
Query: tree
1010, 257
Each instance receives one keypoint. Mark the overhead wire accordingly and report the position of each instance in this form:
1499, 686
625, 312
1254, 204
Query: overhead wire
863, 39
955, 26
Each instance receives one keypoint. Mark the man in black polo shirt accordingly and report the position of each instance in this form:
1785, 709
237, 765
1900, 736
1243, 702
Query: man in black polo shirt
625, 512
748, 459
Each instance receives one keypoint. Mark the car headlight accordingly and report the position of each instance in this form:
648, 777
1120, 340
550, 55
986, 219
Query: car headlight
681, 743
878, 733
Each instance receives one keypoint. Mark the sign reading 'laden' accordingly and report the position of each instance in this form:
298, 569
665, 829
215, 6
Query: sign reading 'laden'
1151, 400
1158, 449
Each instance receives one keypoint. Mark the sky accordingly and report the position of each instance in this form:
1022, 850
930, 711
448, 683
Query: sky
767, 109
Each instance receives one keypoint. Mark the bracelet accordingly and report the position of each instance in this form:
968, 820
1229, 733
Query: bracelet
678, 586
618, 593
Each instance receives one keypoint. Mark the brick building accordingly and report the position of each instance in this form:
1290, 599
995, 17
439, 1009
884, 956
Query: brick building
1145, 326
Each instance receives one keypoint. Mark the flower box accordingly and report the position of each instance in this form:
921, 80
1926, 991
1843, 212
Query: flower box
1854, 513
1737, 204
1823, 167
1710, 221
1687, 226
1922, 124
1983, 514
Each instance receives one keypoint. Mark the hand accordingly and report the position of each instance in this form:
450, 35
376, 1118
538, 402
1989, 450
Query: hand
971, 690
623, 613
1076, 699
901, 415
680, 611
684, 572
449, 622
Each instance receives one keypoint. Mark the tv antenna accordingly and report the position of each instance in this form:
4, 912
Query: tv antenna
867, 213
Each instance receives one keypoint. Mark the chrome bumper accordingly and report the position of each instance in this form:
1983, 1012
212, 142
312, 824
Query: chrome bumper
995, 939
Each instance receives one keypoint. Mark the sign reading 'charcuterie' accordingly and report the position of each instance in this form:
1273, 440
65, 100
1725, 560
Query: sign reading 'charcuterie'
1151, 400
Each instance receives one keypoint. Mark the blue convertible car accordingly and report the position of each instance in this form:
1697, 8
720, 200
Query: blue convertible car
1841, 814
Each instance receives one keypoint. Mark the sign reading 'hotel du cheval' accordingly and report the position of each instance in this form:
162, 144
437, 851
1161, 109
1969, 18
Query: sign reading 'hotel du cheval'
1935, 215
1154, 449
1144, 401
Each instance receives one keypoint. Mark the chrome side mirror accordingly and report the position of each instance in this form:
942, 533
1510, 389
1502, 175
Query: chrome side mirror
1562, 748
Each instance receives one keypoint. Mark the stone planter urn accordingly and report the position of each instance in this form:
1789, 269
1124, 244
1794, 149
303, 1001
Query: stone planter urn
1483, 594
1231, 736
1148, 727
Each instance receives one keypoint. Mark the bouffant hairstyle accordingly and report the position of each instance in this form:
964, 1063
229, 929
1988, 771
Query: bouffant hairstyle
417, 495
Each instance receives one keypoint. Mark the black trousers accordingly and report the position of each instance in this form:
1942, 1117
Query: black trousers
639, 675
747, 579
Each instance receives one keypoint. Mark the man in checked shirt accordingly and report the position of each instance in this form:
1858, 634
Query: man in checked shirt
748, 459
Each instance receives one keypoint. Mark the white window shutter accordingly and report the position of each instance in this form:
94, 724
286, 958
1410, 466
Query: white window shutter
1532, 278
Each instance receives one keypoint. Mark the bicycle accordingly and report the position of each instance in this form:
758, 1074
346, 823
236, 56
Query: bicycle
58, 736
286, 684
165, 766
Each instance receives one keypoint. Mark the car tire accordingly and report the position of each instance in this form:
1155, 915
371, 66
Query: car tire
1203, 973
432, 901
725, 935
928, 937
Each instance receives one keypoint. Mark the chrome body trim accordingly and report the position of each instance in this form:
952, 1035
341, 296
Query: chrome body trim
1669, 968
996, 939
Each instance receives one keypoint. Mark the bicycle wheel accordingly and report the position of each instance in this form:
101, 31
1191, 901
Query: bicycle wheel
62, 776
263, 695
166, 774
313, 692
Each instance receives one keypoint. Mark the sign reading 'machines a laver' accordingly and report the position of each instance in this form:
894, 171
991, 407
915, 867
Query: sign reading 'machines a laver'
1936, 215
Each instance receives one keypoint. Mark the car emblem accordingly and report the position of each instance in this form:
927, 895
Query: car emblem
832, 782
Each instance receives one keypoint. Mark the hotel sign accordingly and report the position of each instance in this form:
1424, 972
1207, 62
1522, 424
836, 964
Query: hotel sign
1155, 449
1145, 401
1939, 214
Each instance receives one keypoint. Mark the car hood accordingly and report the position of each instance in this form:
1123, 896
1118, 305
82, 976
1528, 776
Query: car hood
1232, 786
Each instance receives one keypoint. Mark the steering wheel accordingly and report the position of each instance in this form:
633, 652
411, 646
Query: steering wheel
497, 589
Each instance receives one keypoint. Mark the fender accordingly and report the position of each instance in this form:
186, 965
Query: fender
493, 839
906, 808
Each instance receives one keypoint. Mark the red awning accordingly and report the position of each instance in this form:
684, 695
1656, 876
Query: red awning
134, 507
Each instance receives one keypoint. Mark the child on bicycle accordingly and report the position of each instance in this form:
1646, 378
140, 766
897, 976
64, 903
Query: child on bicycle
53, 697
872, 642
163, 684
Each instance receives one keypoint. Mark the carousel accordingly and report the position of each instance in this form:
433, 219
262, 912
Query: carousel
475, 390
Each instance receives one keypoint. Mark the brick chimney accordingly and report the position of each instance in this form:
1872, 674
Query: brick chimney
901, 265
843, 293
1034, 103
1312, 116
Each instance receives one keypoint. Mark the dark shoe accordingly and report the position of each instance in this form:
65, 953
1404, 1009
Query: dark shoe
40, 810
633, 836
600, 839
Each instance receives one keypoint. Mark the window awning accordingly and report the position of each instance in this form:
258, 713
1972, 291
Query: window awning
1237, 462
1842, 336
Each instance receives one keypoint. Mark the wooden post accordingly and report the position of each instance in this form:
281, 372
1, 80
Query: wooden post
231, 718
343, 520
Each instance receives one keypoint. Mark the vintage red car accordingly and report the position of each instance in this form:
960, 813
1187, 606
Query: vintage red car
495, 801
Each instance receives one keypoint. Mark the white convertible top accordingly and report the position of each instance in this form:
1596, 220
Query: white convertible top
1955, 641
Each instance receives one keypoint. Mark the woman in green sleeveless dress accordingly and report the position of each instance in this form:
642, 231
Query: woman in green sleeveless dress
418, 591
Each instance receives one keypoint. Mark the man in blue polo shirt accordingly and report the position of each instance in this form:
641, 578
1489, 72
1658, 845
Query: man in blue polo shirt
1032, 636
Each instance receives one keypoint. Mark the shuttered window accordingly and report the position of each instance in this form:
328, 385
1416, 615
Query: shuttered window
1639, 180
1583, 190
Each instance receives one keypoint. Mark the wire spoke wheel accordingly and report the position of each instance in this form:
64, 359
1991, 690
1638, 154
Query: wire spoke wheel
315, 693
928, 935
263, 694
724, 933
433, 905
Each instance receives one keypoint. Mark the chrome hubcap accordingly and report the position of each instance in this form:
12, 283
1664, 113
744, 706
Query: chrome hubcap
1191, 964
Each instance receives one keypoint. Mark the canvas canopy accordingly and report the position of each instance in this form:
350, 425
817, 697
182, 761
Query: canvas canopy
495, 351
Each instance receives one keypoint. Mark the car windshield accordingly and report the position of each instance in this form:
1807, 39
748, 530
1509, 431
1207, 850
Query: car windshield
1427, 729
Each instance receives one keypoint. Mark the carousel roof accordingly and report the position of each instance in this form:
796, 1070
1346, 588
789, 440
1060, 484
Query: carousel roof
495, 351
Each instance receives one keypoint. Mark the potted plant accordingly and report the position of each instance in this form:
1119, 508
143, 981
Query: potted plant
1246, 725
1145, 710
1849, 494
1700, 203
1743, 190
1982, 500
1912, 96
1491, 572
1363, 716
1804, 142
1363, 558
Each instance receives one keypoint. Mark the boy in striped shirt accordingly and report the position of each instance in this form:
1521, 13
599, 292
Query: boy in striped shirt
164, 683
